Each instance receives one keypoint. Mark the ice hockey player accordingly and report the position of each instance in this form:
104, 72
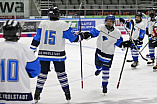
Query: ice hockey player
137, 36
50, 38
108, 38
17, 64
150, 32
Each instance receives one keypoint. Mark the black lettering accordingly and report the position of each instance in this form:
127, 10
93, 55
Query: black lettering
6, 5
19, 7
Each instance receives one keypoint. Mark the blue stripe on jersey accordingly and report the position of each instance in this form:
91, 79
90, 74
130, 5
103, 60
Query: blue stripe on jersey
119, 41
38, 35
142, 33
94, 32
52, 59
103, 55
104, 60
70, 34
16, 96
33, 68
33, 48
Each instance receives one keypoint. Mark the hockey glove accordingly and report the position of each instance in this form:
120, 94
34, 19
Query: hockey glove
122, 20
154, 41
127, 43
87, 35
81, 35
138, 42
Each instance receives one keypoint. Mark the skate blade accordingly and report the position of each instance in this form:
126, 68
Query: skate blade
104, 94
68, 101
133, 68
152, 64
154, 70
36, 101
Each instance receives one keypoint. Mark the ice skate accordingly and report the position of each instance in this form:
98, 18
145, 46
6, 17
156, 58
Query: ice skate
155, 68
147, 55
104, 89
150, 61
67, 94
37, 96
97, 72
134, 64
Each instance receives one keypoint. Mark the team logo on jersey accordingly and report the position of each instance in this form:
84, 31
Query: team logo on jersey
104, 38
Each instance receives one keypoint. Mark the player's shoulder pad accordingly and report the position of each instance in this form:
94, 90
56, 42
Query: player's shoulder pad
64, 25
141, 25
99, 27
117, 32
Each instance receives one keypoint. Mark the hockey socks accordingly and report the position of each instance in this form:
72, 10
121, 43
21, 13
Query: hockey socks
105, 77
151, 52
62, 77
134, 54
41, 81
39, 87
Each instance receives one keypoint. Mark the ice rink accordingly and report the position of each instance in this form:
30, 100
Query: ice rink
138, 86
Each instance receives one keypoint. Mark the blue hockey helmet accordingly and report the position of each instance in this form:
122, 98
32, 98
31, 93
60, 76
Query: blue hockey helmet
53, 12
11, 30
110, 17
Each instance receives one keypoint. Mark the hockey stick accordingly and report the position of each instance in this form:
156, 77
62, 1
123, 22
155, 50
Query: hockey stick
125, 56
134, 43
80, 47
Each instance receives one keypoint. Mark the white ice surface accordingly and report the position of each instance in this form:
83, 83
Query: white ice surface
138, 86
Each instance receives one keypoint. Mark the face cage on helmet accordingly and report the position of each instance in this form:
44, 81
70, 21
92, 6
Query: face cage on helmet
109, 19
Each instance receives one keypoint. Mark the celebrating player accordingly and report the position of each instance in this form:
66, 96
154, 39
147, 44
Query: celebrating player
137, 36
50, 38
17, 64
108, 38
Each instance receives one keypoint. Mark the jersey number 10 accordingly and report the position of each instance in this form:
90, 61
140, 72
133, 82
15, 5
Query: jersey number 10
50, 37
12, 70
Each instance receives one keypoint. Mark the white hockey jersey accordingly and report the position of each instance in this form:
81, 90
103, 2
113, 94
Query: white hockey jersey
106, 40
17, 63
150, 25
51, 37
139, 30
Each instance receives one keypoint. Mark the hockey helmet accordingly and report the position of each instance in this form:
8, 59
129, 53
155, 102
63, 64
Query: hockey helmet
53, 12
138, 14
110, 17
151, 12
11, 30
152, 9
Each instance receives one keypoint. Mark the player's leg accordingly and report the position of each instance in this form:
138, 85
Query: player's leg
62, 77
151, 53
45, 67
135, 55
97, 65
105, 77
104, 67
105, 73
